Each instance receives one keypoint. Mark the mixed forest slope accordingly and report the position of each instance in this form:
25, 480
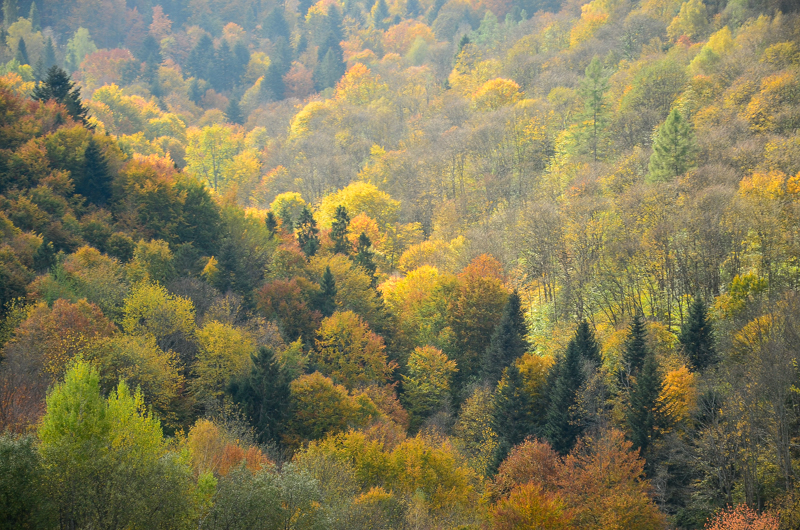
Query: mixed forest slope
370, 264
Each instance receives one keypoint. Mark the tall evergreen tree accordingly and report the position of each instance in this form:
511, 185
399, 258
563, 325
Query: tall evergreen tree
275, 25
272, 86
58, 86
49, 54
562, 426
674, 149
328, 71
413, 9
595, 115
339, 230
307, 232
10, 12
697, 337
234, 112
364, 257
264, 395
241, 58
195, 91
635, 349
326, 299
96, 182
272, 223
513, 417
22, 52
564, 422
508, 341
202, 59
33, 16
379, 13
645, 414
222, 77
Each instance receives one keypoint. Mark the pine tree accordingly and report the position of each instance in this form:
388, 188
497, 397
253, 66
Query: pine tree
339, 231
673, 149
635, 349
328, 71
413, 8
22, 52
241, 58
513, 417
201, 58
58, 86
233, 112
508, 341
272, 224
10, 12
587, 345
645, 414
697, 337
33, 16
272, 86
264, 395
364, 257
307, 232
562, 426
593, 90
49, 54
275, 25
224, 65
326, 299
379, 13
195, 91
96, 182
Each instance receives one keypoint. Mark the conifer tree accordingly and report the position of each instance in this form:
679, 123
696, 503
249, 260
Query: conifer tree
513, 413
22, 52
58, 86
307, 232
564, 423
364, 256
223, 77
272, 223
233, 112
10, 12
96, 182
202, 58
508, 341
329, 71
562, 427
673, 149
379, 13
339, 231
593, 90
635, 349
272, 86
275, 25
645, 414
33, 16
195, 91
49, 54
326, 299
697, 337
413, 8
264, 395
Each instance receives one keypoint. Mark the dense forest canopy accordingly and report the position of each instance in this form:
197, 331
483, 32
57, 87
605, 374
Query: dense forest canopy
400, 264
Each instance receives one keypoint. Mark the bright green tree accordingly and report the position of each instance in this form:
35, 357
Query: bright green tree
427, 385
674, 149
595, 115
106, 460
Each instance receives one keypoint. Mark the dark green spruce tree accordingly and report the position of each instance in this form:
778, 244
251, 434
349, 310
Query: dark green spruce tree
307, 232
508, 341
339, 230
59, 87
513, 417
635, 348
697, 337
272, 224
96, 182
645, 415
564, 420
326, 298
364, 257
233, 112
22, 52
264, 395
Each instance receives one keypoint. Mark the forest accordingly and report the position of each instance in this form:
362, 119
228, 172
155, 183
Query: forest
400, 264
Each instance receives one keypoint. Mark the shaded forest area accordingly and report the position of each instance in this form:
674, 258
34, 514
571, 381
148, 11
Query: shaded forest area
400, 264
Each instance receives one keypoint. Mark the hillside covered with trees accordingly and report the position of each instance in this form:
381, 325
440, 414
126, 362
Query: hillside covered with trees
401, 264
